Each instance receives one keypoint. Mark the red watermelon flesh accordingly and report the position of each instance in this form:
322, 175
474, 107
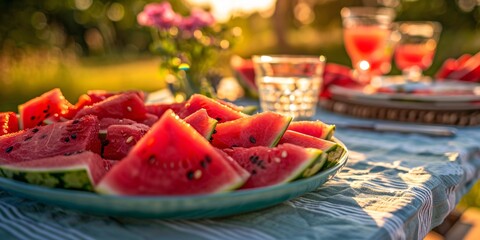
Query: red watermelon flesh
263, 129
271, 166
204, 124
126, 105
64, 138
216, 110
121, 138
106, 122
158, 109
36, 110
313, 128
87, 160
332, 149
8, 123
109, 164
150, 119
83, 101
171, 159
100, 95
234, 164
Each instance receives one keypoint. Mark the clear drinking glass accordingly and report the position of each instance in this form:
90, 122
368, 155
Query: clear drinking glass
367, 35
289, 84
416, 48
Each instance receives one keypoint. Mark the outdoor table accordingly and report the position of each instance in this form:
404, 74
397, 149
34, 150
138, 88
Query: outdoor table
394, 186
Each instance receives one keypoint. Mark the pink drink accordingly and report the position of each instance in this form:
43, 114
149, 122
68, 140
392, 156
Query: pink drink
370, 44
414, 55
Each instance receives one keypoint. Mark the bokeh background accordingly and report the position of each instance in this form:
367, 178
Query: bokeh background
97, 44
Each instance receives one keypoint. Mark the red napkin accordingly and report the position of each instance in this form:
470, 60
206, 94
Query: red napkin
465, 68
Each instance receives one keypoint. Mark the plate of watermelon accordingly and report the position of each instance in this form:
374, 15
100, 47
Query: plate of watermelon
112, 154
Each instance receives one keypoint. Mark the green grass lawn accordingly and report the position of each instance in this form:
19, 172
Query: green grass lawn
28, 77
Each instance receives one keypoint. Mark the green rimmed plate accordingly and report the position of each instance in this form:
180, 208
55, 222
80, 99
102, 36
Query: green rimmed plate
175, 207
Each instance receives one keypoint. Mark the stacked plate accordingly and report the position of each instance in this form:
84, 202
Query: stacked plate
445, 102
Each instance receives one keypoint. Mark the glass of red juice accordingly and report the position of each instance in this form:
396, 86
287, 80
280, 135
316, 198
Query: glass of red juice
416, 48
367, 35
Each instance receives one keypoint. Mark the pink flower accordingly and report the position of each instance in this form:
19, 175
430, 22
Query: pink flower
197, 19
160, 15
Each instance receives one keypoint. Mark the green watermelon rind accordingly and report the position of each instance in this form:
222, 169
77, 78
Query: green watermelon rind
213, 123
330, 131
313, 156
316, 166
72, 177
334, 154
280, 133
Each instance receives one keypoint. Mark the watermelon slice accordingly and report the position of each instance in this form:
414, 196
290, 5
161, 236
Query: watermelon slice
63, 138
126, 105
271, 166
216, 110
204, 124
150, 119
100, 95
78, 171
171, 159
159, 109
332, 149
121, 138
8, 123
36, 110
313, 128
263, 129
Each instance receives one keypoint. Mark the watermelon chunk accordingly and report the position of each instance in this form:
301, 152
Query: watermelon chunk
36, 110
106, 122
158, 109
313, 128
271, 166
216, 110
150, 119
63, 138
121, 138
204, 124
78, 171
127, 105
100, 95
8, 123
263, 129
171, 159
332, 149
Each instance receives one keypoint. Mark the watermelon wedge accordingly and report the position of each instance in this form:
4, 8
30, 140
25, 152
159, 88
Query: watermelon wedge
204, 124
171, 159
158, 109
64, 138
8, 123
216, 110
127, 105
313, 128
332, 149
271, 166
263, 129
36, 110
77, 171
121, 138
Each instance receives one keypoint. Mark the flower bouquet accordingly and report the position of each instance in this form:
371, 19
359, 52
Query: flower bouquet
189, 46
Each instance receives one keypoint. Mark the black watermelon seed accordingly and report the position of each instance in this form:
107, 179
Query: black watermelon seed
254, 172
152, 159
190, 175
76, 121
254, 159
211, 139
9, 149
204, 164
28, 138
47, 115
67, 139
73, 136
45, 111
208, 159
218, 119
105, 143
252, 139
32, 118
214, 131
35, 130
260, 163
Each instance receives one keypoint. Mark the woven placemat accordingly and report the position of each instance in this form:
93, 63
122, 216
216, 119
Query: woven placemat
469, 117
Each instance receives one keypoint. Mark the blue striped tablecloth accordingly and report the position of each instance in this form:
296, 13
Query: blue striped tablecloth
395, 186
